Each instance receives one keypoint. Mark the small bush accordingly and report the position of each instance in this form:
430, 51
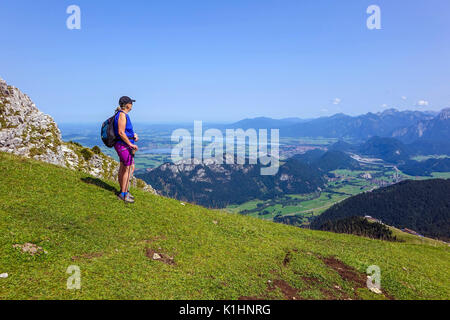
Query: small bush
96, 150
87, 154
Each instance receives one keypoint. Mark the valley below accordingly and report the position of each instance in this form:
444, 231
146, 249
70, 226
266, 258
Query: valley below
300, 209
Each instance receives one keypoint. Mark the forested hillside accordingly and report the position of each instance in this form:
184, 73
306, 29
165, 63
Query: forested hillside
358, 226
216, 185
423, 206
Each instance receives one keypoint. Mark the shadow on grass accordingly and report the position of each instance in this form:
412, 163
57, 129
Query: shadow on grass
99, 183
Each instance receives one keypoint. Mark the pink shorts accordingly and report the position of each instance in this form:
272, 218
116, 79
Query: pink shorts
125, 154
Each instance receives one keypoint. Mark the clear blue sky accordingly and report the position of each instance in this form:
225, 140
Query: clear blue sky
224, 60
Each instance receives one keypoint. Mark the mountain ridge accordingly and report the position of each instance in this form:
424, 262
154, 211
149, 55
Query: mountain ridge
360, 127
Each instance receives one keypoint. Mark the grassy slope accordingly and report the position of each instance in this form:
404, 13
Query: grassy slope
55, 209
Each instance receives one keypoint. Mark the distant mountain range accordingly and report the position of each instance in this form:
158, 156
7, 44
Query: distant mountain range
407, 126
425, 132
423, 206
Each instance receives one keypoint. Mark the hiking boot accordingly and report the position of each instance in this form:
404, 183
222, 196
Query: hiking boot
130, 195
126, 199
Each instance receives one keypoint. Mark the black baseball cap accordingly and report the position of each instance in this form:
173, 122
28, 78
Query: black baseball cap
125, 100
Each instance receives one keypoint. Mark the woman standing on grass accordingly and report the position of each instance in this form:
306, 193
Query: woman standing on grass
125, 146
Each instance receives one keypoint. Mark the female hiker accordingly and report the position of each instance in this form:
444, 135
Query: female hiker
125, 146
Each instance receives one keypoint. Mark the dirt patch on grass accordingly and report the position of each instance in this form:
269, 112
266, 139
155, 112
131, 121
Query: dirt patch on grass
349, 274
328, 291
159, 256
289, 292
87, 256
346, 272
287, 259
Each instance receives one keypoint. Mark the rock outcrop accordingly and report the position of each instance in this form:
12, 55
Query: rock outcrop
28, 132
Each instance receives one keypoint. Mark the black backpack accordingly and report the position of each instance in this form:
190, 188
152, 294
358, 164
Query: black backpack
107, 133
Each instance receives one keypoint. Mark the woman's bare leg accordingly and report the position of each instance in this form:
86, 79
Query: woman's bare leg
125, 177
121, 174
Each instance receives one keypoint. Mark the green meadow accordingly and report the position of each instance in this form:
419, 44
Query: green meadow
73, 219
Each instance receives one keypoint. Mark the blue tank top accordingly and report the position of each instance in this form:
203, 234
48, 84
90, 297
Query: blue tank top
128, 129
